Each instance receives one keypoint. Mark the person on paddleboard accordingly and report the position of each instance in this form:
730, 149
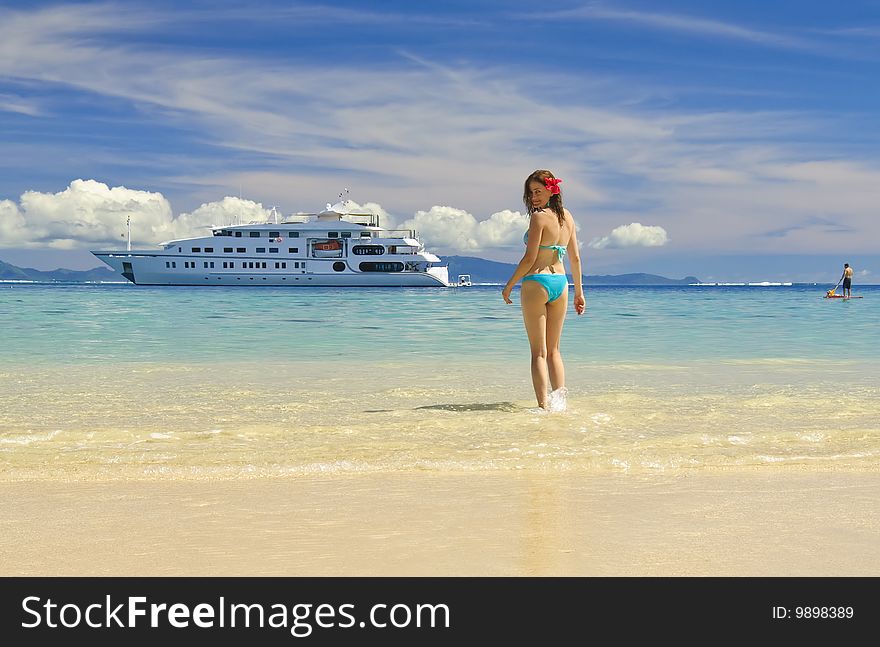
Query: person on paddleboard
847, 280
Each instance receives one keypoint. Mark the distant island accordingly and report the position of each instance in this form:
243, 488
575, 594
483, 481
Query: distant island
9, 272
481, 271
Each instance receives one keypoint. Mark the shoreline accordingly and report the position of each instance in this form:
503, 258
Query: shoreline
730, 523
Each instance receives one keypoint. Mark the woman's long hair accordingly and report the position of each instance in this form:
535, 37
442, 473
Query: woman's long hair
555, 200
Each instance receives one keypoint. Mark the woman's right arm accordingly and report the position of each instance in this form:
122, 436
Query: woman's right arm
574, 255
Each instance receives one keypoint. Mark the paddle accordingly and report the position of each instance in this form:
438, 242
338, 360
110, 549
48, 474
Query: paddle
830, 292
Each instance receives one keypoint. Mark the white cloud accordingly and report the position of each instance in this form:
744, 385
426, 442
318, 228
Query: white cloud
634, 234
457, 230
227, 211
12, 223
89, 213
502, 229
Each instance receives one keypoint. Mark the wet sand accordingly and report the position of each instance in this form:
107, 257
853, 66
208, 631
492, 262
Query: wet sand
748, 523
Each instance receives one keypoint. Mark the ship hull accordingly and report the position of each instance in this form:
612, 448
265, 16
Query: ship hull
150, 269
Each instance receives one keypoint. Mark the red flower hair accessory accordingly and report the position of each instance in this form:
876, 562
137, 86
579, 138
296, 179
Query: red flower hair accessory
552, 184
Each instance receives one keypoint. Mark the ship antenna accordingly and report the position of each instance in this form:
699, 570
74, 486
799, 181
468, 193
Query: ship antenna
128, 225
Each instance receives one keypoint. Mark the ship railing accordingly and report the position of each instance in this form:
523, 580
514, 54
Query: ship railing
400, 233
368, 219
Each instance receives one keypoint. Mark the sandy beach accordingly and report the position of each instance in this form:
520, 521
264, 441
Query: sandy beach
744, 523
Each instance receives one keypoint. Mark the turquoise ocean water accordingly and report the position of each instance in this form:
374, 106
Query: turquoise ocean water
116, 381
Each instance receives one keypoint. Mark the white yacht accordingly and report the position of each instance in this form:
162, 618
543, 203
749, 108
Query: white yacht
333, 248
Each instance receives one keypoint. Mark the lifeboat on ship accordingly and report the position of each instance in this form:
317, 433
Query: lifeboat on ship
327, 248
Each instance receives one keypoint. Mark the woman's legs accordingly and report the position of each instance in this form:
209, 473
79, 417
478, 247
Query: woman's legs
544, 327
533, 298
555, 319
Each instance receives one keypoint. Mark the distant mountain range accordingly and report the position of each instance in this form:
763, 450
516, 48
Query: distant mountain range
481, 271
9, 272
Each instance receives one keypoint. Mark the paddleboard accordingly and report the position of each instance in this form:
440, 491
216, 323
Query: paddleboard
840, 296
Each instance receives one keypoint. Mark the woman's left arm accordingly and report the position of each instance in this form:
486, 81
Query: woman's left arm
528, 259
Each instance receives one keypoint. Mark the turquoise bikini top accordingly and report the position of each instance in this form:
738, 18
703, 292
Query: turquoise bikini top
560, 249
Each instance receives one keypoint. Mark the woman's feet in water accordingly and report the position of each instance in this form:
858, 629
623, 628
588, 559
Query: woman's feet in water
555, 403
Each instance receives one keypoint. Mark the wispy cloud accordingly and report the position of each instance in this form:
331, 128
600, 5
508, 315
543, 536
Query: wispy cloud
685, 24
328, 15
821, 225
859, 32
419, 133
12, 103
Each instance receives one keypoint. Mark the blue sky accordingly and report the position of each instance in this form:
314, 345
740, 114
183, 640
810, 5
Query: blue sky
731, 141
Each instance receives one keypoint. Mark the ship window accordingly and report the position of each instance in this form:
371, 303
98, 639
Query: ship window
346, 234
366, 234
273, 250
293, 234
205, 264
293, 250
180, 249
381, 267
274, 234
232, 266
284, 266
277, 266
261, 250
332, 234
173, 263
368, 250
227, 250
264, 264
254, 234
209, 250
167, 264
225, 265
240, 250
197, 249
238, 234
338, 266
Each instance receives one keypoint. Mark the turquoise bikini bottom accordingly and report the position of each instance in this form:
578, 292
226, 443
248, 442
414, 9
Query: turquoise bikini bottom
555, 284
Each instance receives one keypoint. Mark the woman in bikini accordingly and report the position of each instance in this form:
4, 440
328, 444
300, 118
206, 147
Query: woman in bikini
544, 292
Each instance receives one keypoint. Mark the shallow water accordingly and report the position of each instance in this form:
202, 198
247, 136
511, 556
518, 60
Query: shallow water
121, 382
